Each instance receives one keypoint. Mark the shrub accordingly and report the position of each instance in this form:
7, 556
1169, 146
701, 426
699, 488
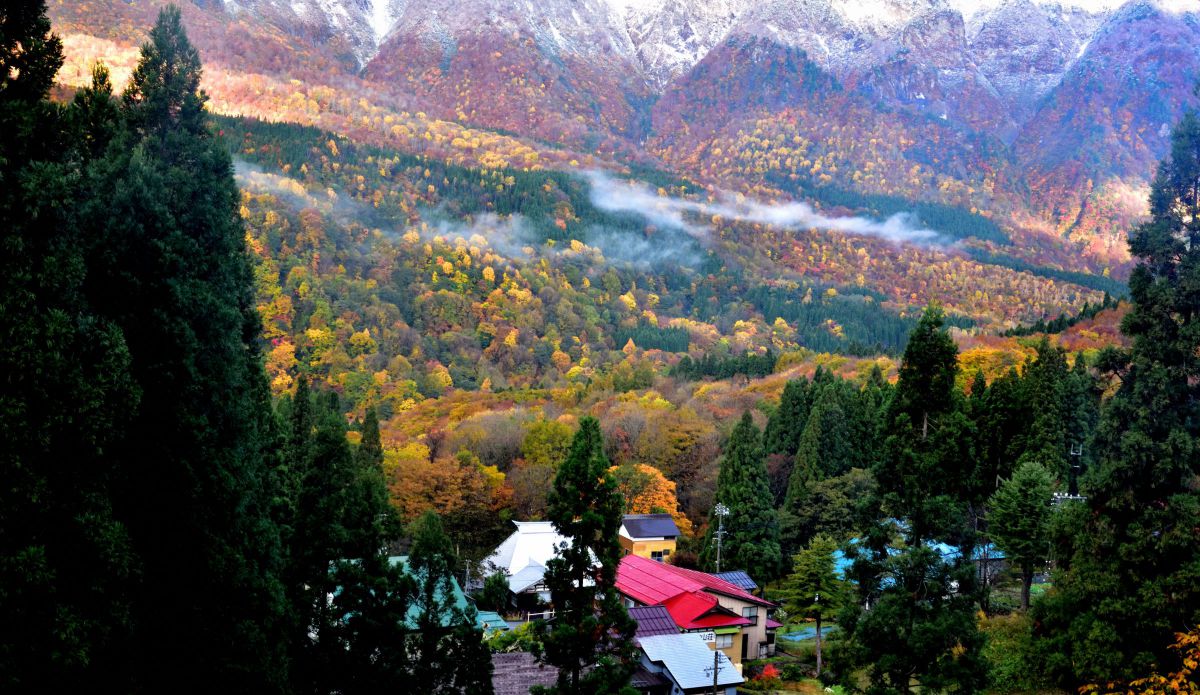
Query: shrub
1009, 653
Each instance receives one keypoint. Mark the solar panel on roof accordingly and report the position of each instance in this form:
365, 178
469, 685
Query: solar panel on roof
650, 526
738, 578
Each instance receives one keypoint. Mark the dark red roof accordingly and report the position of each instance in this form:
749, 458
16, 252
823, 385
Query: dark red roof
773, 624
653, 620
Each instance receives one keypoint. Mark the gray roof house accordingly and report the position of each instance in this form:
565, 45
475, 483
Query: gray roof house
686, 660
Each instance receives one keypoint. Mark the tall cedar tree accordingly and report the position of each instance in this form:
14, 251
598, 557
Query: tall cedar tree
66, 566
169, 267
825, 451
751, 540
813, 590
374, 596
1019, 521
1131, 575
447, 650
1082, 402
590, 640
827, 445
349, 603
1046, 390
1001, 414
786, 424
324, 534
921, 622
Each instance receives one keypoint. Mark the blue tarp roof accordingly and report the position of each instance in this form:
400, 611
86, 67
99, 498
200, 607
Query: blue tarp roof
842, 563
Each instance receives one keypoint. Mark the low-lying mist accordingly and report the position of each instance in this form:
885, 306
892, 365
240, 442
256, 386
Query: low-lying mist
620, 196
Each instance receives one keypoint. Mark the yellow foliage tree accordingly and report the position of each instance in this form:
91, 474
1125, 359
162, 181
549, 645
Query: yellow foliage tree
1185, 680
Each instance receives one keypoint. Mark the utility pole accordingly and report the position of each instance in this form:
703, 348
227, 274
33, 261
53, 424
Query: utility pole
817, 603
721, 511
1076, 467
716, 668
1072, 493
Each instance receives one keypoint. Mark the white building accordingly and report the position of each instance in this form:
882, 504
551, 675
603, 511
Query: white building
523, 557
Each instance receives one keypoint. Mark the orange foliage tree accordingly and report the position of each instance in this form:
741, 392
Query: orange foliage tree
647, 491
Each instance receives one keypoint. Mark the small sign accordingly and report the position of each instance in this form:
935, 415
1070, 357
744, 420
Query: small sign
710, 637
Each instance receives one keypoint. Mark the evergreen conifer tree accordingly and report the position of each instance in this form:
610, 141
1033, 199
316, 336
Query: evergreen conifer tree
1046, 387
373, 595
826, 450
590, 640
323, 532
826, 445
920, 624
170, 269
67, 569
1001, 417
1131, 573
751, 540
1019, 521
448, 653
1082, 404
786, 424
814, 590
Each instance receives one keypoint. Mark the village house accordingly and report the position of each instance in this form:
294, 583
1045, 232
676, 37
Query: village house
522, 557
681, 659
726, 616
651, 536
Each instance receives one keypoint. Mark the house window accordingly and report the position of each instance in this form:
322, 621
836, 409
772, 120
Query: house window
724, 641
751, 613
659, 555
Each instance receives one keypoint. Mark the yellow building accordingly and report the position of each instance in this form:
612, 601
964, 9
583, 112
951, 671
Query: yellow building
651, 536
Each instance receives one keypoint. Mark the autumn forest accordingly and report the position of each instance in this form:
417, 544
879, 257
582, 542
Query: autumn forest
290, 343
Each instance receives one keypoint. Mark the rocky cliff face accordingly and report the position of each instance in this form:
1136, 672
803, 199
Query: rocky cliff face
1057, 102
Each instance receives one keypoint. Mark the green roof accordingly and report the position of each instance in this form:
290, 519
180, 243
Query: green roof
414, 611
491, 620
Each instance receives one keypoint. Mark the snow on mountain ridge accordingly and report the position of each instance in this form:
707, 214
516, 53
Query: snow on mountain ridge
584, 27
672, 36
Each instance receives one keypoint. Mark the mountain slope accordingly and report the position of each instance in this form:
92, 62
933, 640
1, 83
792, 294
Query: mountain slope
561, 71
1108, 121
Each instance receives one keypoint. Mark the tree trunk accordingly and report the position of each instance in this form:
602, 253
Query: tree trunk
818, 645
1026, 583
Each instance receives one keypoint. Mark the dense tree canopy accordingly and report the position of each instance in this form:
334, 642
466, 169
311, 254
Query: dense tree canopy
921, 621
1131, 569
751, 541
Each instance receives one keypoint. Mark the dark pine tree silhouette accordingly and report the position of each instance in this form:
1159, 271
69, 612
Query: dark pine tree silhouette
751, 542
1131, 569
590, 640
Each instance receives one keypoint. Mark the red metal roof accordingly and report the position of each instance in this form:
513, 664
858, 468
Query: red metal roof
711, 582
692, 610
650, 582
687, 595
773, 624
